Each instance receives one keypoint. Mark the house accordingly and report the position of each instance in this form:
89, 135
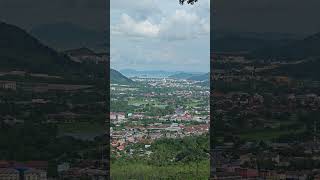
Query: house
4, 164
121, 147
131, 139
35, 174
114, 143
173, 127
186, 116
9, 85
63, 167
268, 174
9, 173
137, 116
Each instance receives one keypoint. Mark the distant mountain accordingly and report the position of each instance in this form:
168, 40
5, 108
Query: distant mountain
305, 70
270, 36
304, 48
117, 78
64, 36
20, 51
238, 44
201, 77
149, 74
244, 42
181, 75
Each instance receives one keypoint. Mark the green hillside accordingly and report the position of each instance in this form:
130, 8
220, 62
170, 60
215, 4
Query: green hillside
117, 78
181, 75
21, 51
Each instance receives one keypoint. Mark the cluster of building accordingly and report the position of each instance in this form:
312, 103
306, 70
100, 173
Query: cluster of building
263, 134
8, 85
32, 170
37, 170
88, 169
129, 134
140, 127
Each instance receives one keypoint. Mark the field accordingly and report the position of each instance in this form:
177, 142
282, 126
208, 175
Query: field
124, 171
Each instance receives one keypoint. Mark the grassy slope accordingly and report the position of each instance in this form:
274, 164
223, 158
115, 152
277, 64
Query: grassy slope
123, 171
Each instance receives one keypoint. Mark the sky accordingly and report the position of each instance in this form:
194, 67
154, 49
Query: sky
277, 16
160, 35
28, 14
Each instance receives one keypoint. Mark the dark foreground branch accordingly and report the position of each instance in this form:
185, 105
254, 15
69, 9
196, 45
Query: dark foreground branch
188, 1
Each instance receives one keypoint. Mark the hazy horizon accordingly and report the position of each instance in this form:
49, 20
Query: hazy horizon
158, 70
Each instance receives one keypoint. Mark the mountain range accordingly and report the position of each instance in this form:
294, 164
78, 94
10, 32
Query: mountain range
146, 73
191, 76
62, 36
21, 51
182, 75
268, 45
247, 42
298, 49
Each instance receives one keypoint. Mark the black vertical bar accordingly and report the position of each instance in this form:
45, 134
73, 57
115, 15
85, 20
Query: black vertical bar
107, 70
212, 130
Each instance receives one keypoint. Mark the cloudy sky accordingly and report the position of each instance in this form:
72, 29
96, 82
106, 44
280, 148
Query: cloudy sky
32, 13
160, 35
285, 16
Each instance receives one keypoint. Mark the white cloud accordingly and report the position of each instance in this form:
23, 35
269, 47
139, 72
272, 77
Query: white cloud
180, 25
131, 27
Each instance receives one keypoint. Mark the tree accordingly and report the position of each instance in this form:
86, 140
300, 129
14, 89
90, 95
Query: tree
188, 1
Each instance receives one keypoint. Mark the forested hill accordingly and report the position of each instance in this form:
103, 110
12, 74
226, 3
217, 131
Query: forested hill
20, 51
299, 49
117, 78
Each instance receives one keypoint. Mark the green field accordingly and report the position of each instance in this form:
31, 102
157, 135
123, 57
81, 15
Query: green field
125, 171
194, 103
137, 102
